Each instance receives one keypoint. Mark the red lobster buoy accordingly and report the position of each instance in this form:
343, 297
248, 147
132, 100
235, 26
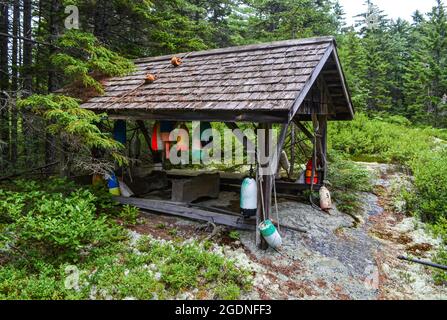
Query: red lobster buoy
309, 167
157, 142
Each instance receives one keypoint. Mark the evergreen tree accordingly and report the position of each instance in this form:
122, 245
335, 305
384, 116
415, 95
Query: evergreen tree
376, 41
426, 76
353, 57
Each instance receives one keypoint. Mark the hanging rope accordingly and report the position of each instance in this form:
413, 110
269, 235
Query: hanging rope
276, 204
316, 126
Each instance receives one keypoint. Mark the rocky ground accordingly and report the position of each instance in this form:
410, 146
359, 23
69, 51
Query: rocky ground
338, 257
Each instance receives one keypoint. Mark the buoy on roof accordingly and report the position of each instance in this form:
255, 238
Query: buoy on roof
176, 61
150, 78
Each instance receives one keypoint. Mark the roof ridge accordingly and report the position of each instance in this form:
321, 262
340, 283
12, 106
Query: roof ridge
243, 48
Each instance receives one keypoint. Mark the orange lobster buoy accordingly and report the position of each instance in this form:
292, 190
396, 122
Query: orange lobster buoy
309, 167
176, 61
150, 78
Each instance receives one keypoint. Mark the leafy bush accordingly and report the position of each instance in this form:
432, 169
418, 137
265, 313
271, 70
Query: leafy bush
347, 179
43, 233
367, 139
430, 180
53, 224
441, 258
129, 214
394, 140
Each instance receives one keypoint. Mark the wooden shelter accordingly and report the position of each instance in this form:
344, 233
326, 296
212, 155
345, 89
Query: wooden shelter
286, 82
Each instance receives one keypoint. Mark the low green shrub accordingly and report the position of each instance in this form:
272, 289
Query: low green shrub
129, 214
430, 179
440, 276
347, 180
54, 225
366, 139
66, 244
394, 140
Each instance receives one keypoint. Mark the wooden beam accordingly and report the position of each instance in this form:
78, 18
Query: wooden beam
304, 130
277, 116
323, 132
146, 134
326, 92
344, 83
310, 82
292, 151
246, 142
179, 210
267, 46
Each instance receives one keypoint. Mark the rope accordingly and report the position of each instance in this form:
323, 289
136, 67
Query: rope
142, 84
262, 194
276, 204
314, 163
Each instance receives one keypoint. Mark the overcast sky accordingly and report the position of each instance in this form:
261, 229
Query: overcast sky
393, 8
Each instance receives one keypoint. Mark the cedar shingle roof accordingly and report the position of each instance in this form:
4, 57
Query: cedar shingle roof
271, 78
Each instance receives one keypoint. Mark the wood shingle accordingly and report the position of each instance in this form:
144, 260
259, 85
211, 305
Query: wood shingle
268, 78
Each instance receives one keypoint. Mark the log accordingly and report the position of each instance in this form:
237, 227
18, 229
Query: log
179, 210
15, 175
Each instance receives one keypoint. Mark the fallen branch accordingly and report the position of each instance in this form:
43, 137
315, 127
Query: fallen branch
15, 175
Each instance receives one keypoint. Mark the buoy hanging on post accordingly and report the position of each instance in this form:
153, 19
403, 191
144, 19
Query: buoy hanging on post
309, 168
249, 196
156, 142
270, 234
325, 199
119, 131
166, 127
157, 147
113, 184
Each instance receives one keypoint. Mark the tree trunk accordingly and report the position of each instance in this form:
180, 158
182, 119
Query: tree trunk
101, 25
27, 48
15, 80
50, 141
4, 86
27, 127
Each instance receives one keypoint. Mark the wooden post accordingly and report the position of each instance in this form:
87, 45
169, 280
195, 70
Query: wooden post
264, 194
292, 151
323, 133
266, 185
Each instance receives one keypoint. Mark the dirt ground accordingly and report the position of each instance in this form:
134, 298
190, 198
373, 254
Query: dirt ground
337, 258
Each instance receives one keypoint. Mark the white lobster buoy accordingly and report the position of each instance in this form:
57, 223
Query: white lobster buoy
325, 199
270, 234
249, 197
284, 161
